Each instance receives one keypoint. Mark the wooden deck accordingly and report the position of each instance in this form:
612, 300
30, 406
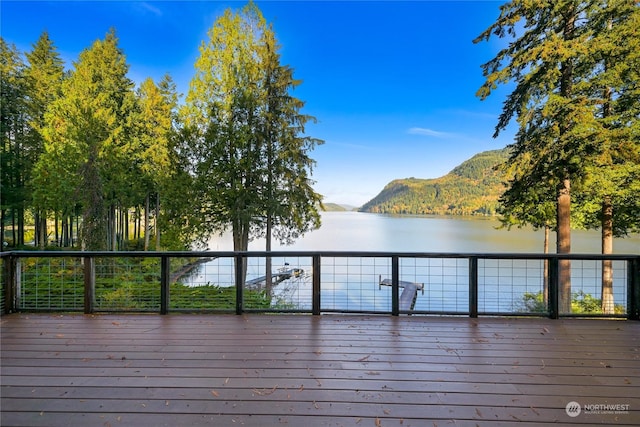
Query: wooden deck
331, 370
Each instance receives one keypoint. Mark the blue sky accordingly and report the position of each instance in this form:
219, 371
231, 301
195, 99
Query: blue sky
391, 83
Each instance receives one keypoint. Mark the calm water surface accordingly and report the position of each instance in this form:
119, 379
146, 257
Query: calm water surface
353, 284
355, 231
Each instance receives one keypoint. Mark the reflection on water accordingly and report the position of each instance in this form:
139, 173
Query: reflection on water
355, 231
353, 283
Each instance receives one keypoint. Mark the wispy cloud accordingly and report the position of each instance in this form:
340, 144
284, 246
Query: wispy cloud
429, 132
150, 8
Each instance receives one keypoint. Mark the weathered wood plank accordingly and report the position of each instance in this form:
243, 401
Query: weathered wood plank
305, 370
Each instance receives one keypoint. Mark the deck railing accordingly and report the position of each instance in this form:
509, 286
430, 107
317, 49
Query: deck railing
470, 284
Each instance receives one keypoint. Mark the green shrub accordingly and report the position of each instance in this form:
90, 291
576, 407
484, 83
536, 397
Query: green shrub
581, 303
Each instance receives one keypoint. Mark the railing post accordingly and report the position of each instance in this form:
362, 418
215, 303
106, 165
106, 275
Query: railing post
395, 286
315, 283
10, 284
473, 287
554, 288
239, 283
89, 285
17, 284
165, 273
633, 289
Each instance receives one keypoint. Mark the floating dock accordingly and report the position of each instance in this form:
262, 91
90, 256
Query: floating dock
409, 293
277, 276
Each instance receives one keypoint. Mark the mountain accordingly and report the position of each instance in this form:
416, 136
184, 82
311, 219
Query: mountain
471, 188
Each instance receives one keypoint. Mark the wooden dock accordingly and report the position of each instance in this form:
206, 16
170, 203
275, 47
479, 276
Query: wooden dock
330, 370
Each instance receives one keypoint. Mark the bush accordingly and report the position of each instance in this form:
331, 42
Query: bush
581, 303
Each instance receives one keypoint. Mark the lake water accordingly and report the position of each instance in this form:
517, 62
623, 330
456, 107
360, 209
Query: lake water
353, 283
356, 231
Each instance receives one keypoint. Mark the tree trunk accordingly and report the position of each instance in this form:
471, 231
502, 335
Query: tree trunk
563, 210
70, 241
2, 214
563, 245
41, 230
156, 221
545, 281
67, 231
146, 223
607, 248
14, 235
136, 226
21, 225
56, 228
126, 226
608, 305
36, 231
268, 266
94, 226
241, 242
113, 227
64, 227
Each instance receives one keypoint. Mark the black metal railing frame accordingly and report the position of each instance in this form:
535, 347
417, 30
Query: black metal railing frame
11, 274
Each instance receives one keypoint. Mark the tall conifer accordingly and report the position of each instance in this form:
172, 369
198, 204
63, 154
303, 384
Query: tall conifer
44, 75
245, 134
13, 129
574, 65
87, 138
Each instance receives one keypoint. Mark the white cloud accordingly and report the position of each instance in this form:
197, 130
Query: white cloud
429, 132
149, 8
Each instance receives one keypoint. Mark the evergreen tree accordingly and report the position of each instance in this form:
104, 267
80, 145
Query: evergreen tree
245, 135
221, 118
44, 75
88, 139
290, 203
614, 171
547, 59
155, 124
13, 130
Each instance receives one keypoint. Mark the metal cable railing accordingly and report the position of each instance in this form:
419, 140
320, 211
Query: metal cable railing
317, 282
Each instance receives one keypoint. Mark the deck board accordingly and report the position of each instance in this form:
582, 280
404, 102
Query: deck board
332, 370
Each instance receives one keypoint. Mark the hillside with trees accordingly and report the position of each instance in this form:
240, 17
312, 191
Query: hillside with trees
471, 188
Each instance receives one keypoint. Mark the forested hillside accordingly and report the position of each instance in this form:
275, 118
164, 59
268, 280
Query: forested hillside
472, 188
